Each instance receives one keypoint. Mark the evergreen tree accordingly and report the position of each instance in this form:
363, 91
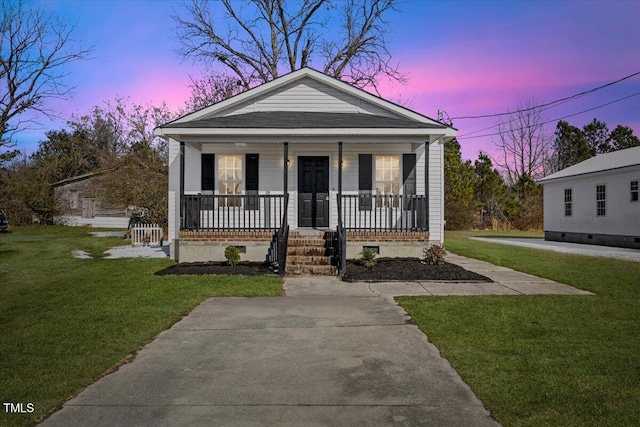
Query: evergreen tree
622, 137
596, 135
458, 188
489, 188
570, 145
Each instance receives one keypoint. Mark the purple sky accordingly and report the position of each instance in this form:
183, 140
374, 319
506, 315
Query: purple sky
466, 58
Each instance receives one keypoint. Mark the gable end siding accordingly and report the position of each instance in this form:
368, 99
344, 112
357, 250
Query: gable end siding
308, 95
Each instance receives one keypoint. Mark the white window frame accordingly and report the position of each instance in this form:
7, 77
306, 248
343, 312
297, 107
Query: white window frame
393, 184
568, 204
602, 200
634, 187
222, 165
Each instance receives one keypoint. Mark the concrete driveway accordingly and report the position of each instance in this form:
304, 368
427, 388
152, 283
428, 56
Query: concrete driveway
329, 353
566, 247
309, 360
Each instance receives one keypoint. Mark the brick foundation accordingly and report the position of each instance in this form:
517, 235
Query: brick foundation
225, 236
388, 236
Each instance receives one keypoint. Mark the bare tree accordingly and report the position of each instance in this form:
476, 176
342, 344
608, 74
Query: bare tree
522, 144
35, 49
210, 89
259, 39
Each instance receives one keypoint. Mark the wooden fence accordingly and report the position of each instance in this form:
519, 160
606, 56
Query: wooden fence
146, 235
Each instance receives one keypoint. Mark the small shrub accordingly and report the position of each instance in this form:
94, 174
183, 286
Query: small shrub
232, 254
434, 255
368, 257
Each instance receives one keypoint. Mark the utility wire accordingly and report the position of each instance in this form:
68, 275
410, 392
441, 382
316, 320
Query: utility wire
548, 103
511, 120
559, 118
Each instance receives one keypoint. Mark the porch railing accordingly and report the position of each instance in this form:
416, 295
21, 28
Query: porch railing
384, 212
204, 212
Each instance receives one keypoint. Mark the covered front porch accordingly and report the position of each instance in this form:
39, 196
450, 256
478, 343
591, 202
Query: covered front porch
326, 186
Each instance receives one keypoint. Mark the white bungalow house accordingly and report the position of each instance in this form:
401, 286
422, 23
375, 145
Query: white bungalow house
304, 160
595, 201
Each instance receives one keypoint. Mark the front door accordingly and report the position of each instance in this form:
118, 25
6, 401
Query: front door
313, 192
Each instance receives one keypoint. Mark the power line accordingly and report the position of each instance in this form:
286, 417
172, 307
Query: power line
559, 118
568, 98
511, 120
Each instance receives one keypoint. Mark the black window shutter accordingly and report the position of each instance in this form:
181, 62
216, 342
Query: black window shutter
365, 180
252, 181
208, 181
409, 178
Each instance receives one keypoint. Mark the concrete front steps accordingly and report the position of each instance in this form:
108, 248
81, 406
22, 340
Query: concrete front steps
308, 252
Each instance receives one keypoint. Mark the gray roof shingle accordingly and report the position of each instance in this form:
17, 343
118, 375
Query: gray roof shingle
601, 162
303, 120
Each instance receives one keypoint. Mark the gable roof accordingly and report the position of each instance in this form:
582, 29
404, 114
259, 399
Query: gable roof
232, 115
601, 162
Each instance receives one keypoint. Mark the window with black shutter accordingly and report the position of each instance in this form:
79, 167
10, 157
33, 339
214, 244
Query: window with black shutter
365, 181
208, 180
409, 179
252, 181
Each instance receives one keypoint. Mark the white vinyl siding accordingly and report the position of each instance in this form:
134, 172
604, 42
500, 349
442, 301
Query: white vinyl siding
622, 217
174, 193
308, 95
436, 192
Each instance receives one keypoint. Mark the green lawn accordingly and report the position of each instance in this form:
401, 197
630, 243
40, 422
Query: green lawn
65, 321
544, 360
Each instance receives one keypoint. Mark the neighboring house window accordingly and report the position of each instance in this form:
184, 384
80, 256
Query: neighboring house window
387, 179
73, 200
568, 205
634, 191
601, 196
230, 179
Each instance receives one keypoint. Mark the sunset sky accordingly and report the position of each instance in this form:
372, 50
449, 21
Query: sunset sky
464, 57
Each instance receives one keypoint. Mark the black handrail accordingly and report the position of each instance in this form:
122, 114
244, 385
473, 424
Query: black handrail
367, 212
283, 238
277, 254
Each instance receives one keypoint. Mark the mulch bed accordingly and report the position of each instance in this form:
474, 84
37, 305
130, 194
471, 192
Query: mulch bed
408, 269
385, 270
244, 268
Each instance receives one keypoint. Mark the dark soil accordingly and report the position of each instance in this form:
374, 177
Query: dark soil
386, 269
244, 268
408, 269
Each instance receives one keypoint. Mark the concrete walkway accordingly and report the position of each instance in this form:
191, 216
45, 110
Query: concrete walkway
329, 353
506, 282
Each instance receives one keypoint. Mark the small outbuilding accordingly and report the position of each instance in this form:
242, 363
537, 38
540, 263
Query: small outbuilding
80, 206
595, 201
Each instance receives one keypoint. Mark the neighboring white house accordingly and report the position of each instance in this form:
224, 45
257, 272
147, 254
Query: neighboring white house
595, 201
280, 156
